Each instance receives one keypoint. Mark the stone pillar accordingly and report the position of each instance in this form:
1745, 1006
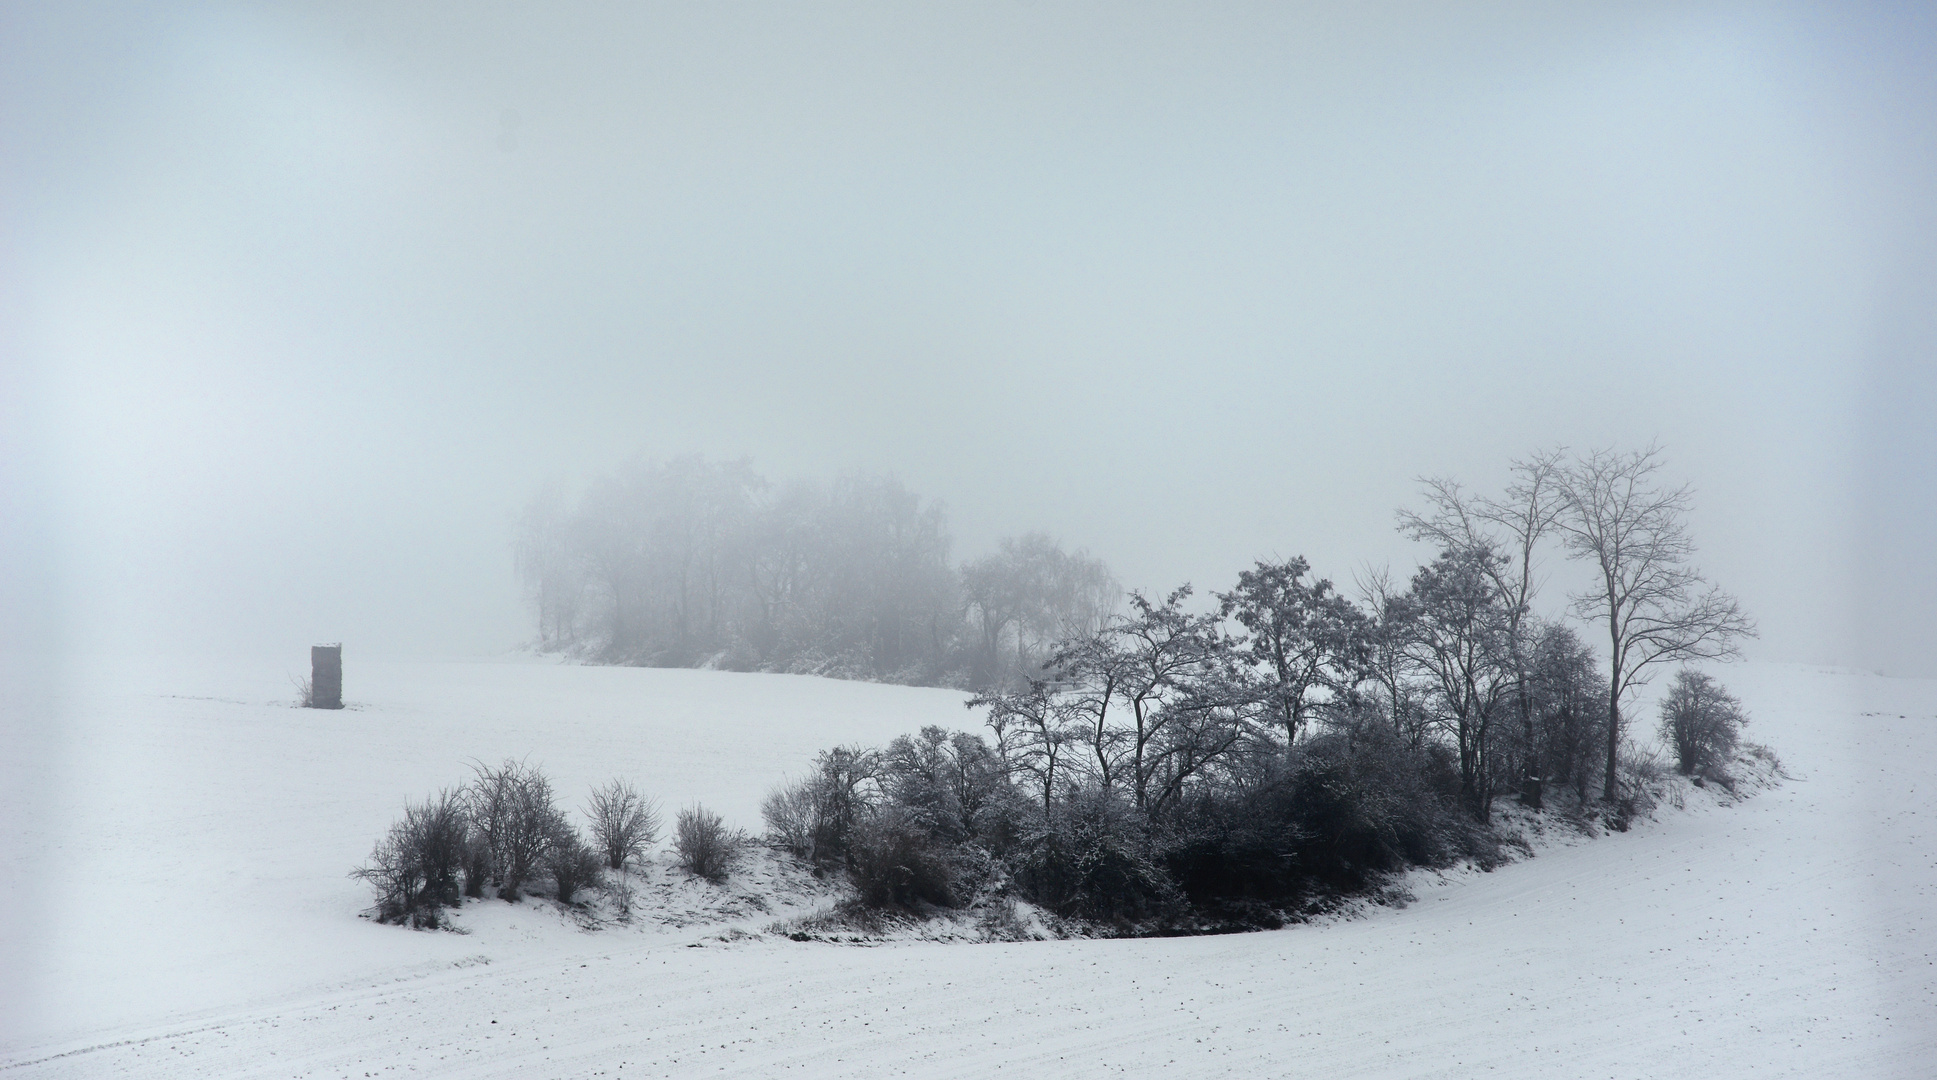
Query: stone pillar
326, 677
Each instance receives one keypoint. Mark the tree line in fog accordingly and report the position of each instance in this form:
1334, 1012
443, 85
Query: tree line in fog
693, 563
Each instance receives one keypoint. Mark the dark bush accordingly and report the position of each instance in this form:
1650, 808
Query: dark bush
1343, 808
1364, 802
398, 879
1702, 722
897, 863
1238, 842
1569, 699
1235, 846
571, 863
1089, 860
705, 846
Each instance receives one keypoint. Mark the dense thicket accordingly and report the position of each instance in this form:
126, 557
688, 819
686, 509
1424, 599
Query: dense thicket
691, 562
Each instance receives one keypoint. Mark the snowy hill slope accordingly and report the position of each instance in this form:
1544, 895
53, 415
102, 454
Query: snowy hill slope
196, 920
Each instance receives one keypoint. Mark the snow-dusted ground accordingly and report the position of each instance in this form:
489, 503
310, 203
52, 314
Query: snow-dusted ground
180, 869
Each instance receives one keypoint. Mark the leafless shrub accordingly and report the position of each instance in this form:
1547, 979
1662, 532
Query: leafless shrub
571, 864
511, 808
414, 869
396, 875
1640, 776
623, 824
705, 846
814, 816
791, 812
618, 887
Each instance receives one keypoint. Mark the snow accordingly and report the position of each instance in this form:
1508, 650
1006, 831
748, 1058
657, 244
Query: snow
185, 854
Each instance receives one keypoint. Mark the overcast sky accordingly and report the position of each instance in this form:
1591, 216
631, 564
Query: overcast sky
299, 306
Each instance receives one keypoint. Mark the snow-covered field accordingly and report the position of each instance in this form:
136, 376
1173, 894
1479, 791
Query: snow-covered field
176, 865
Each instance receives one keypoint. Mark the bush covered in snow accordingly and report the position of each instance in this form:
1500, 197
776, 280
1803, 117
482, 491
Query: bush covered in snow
414, 868
511, 808
897, 862
571, 864
913, 825
703, 843
501, 829
815, 816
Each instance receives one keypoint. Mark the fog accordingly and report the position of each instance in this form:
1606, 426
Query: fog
299, 307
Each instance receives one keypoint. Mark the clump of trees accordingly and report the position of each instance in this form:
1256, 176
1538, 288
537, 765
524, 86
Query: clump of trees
691, 562
1609, 511
1184, 758
501, 832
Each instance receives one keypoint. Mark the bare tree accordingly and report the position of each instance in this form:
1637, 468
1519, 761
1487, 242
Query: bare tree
1093, 671
1513, 527
1033, 729
995, 591
1385, 661
1301, 637
1649, 598
1458, 636
1025, 597
1149, 661
550, 566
